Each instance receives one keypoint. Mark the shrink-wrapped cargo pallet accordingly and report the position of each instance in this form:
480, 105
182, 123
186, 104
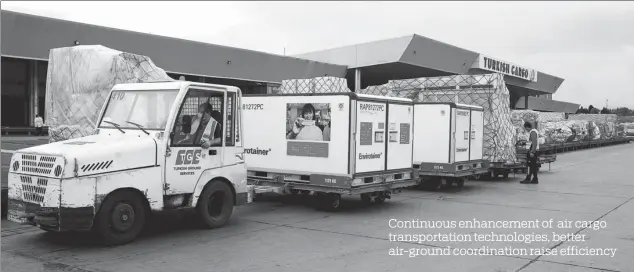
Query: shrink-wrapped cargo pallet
488, 91
313, 85
628, 129
78, 81
594, 117
524, 115
558, 132
568, 131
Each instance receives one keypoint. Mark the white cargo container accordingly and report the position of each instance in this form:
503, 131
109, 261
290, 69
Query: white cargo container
329, 144
447, 143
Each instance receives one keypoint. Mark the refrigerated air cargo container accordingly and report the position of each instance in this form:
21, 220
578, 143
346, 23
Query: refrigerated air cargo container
448, 142
328, 144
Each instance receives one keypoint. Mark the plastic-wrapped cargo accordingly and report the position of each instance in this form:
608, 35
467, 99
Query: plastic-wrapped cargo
524, 115
78, 81
314, 85
558, 132
536, 116
488, 91
628, 129
594, 117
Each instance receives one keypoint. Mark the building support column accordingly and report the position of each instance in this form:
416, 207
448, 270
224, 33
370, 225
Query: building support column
526, 102
357, 80
33, 92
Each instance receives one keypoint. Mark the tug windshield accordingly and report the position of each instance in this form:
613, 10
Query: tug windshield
148, 109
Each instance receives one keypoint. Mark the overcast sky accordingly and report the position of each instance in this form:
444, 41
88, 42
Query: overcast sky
589, 44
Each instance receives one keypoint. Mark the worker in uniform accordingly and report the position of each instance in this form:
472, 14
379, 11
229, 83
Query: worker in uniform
206, 128
39, 123
533, 145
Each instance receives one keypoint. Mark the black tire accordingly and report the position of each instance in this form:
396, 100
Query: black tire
431, 184
327, 202
121, 218
366, 198
332, 202
380, 198
215, 205
460, 182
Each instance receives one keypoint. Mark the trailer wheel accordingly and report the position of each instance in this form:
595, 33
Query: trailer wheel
506, 175
366, 198
380, 198
431, 183
215, 205
120, 218
328, 202
449, 183
460, 182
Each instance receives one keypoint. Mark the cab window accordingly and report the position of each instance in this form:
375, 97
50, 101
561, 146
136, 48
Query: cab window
200, 119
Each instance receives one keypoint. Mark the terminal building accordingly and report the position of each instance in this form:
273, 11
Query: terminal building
26, 41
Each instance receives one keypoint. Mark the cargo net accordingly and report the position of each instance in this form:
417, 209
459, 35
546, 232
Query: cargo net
488, 91
313, 85
78, 82
540, 120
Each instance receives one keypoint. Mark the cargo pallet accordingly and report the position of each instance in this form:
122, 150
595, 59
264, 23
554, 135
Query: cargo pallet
375, 188
433, 175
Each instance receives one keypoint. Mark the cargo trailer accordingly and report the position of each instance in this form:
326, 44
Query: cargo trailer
328, 145
448, 143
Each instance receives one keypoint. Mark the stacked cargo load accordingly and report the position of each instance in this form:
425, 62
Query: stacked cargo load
628, 129
487, 91
606, 124
79, 80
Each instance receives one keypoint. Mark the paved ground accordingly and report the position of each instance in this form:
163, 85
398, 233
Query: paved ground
287, 235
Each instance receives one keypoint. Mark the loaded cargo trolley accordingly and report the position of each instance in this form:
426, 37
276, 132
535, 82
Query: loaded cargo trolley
448, 142
327, 145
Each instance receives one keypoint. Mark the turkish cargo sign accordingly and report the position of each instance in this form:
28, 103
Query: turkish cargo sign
506, 68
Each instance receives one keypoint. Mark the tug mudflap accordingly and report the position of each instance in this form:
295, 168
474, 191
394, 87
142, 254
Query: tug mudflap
267, 185
51, 218
459, 169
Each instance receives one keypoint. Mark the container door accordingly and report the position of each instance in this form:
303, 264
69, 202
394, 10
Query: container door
371, 138
477, 134
399, 142
432, 133
462, 135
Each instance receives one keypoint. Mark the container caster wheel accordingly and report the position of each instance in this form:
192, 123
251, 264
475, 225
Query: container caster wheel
366, 198
430, 184
377, 197
380, 198
328, 202
460, 182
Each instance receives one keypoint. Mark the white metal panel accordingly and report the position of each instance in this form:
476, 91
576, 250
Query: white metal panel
477, 134
371, 136
265, 120
399, 136
431, 133
462, 134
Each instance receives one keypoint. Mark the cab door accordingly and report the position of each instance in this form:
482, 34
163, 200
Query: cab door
187, 159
